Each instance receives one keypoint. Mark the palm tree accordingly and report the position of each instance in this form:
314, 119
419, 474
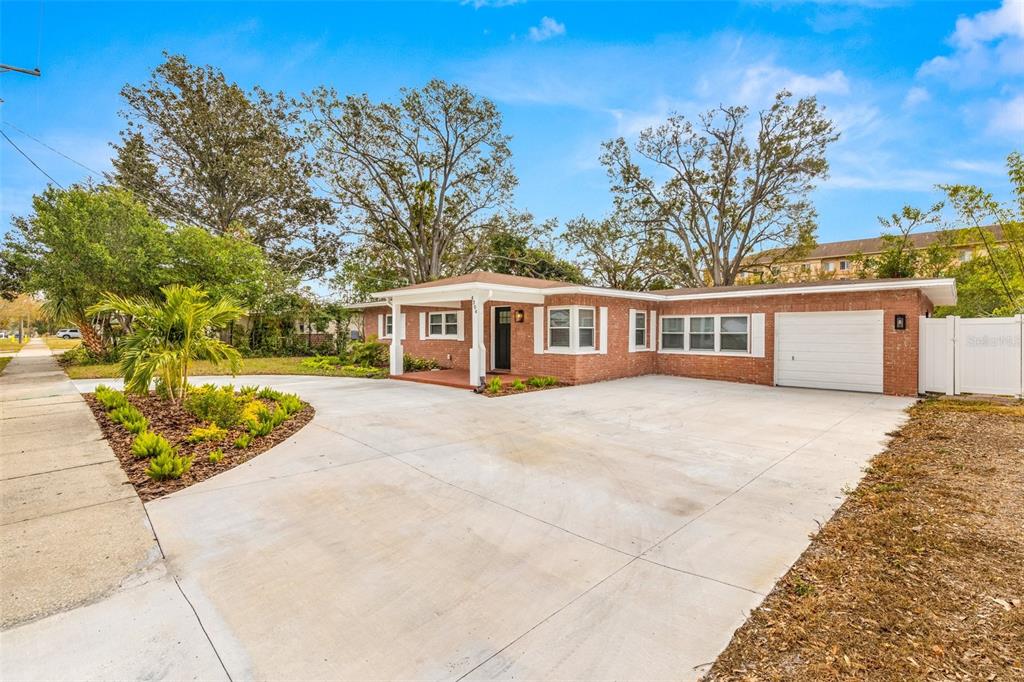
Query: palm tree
166, 337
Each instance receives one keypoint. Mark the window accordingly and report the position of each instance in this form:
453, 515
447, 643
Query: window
734, 335
559, 322
388, 327
586, 327
640, 330
673, 333
966, 255
805, 267
830, 266
702, 333
444, 324
844, 265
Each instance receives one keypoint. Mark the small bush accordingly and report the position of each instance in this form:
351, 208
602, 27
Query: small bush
255, 411
136, 426
290, 403
494, 385
168, 465
242, 442
204, 433
218, 405
518, 385
412, 363
150, 444
358, 372
126, 413
109, 398
368, 353
261, 428
542, 382
278, 417
216, 456
319, 363
268, 393
247, 393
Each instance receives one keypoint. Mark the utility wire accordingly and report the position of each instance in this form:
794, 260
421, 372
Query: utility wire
38, 167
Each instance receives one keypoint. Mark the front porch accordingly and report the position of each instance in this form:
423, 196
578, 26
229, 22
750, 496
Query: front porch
455, 378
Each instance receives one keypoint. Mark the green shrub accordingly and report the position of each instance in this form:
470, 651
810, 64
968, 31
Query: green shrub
290, 403
319, 363
218, 405
261, 428
255, 411
136, 426
247, 393
126, 413
278, 417
242, 442
518, 385
542, 382
412, 363
268, 393
368, 353
168, 465
150, 444
204, 433
358, 372
494, 385
216, 456
109, 398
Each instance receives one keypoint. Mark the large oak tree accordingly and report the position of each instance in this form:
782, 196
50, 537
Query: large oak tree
200, 150
732, 200
427, 179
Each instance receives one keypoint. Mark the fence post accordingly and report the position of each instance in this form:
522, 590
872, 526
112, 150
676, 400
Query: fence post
952, 363
1020, 336
922, 354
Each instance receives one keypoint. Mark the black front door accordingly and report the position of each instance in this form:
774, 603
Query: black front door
503, 338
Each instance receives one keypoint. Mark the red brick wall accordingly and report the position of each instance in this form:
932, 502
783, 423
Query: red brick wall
900, 347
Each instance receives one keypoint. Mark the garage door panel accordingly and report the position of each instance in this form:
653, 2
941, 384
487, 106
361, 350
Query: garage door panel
835, 350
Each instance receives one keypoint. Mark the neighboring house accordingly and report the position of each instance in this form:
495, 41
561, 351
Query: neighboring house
836, 260
860, 335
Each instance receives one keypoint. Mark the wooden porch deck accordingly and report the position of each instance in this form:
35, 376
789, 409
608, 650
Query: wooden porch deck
456, 378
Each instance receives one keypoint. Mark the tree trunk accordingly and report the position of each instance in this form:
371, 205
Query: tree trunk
90, 338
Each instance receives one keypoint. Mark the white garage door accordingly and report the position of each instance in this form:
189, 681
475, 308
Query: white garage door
829, 350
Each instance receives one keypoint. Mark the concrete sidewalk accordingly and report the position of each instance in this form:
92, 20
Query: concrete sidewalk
72, 533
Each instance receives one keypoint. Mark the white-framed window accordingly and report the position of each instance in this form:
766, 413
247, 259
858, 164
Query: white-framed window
640, 329
389, 327
673, 332
966, 255
830, 266
704, 334
443, 324
844, 265
572, 329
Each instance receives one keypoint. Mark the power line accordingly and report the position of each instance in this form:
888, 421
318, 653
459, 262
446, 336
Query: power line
38, 167
55, 151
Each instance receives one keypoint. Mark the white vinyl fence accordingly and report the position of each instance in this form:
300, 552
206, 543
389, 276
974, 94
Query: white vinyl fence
972, 355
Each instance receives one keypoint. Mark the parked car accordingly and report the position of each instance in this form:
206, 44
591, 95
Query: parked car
69, 333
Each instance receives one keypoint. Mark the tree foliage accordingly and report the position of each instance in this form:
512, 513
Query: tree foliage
899, 256
724, 198
529, 250
167, 337
616, 253
199, 150
425, 179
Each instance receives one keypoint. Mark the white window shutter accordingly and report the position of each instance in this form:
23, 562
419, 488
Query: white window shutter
423, 326
401, 328
652, 329
380, 327
632, 330
538, 330
603, 322
757, 335
460, 318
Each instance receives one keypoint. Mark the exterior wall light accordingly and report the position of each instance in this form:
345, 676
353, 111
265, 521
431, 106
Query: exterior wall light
520, 316
901, 322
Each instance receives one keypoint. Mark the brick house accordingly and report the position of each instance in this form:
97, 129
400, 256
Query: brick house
849, 335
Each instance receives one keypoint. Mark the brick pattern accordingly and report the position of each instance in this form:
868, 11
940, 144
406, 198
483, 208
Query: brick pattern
900, 347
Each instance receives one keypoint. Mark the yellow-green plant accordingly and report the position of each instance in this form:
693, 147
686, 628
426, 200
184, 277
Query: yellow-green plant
168, 465
150, 444
494, 385
242, 442
167, 337
204, 433
216, 456
518, 385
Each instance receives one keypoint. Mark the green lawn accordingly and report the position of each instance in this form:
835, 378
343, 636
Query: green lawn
249, 366
9, 344
3, 362
56, 343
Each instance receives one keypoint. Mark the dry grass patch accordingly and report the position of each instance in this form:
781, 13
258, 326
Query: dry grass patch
920, 575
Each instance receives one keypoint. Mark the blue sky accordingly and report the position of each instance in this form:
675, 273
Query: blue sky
923, 93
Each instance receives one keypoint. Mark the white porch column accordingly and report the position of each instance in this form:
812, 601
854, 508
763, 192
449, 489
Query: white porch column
396, 337
477, 352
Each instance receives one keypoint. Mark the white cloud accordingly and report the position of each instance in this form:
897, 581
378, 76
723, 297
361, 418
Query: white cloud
477, 4
765, 79
916, 95
548, 28
975, 166
986, 47
1007, 117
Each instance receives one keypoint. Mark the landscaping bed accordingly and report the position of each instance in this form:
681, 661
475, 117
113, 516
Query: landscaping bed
253, 366
499, 386
177, 425
919, 574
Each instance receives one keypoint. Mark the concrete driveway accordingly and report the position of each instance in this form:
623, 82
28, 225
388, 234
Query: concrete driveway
614, 530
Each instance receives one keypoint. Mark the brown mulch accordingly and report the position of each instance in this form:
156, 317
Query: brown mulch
175, 424
920, 574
